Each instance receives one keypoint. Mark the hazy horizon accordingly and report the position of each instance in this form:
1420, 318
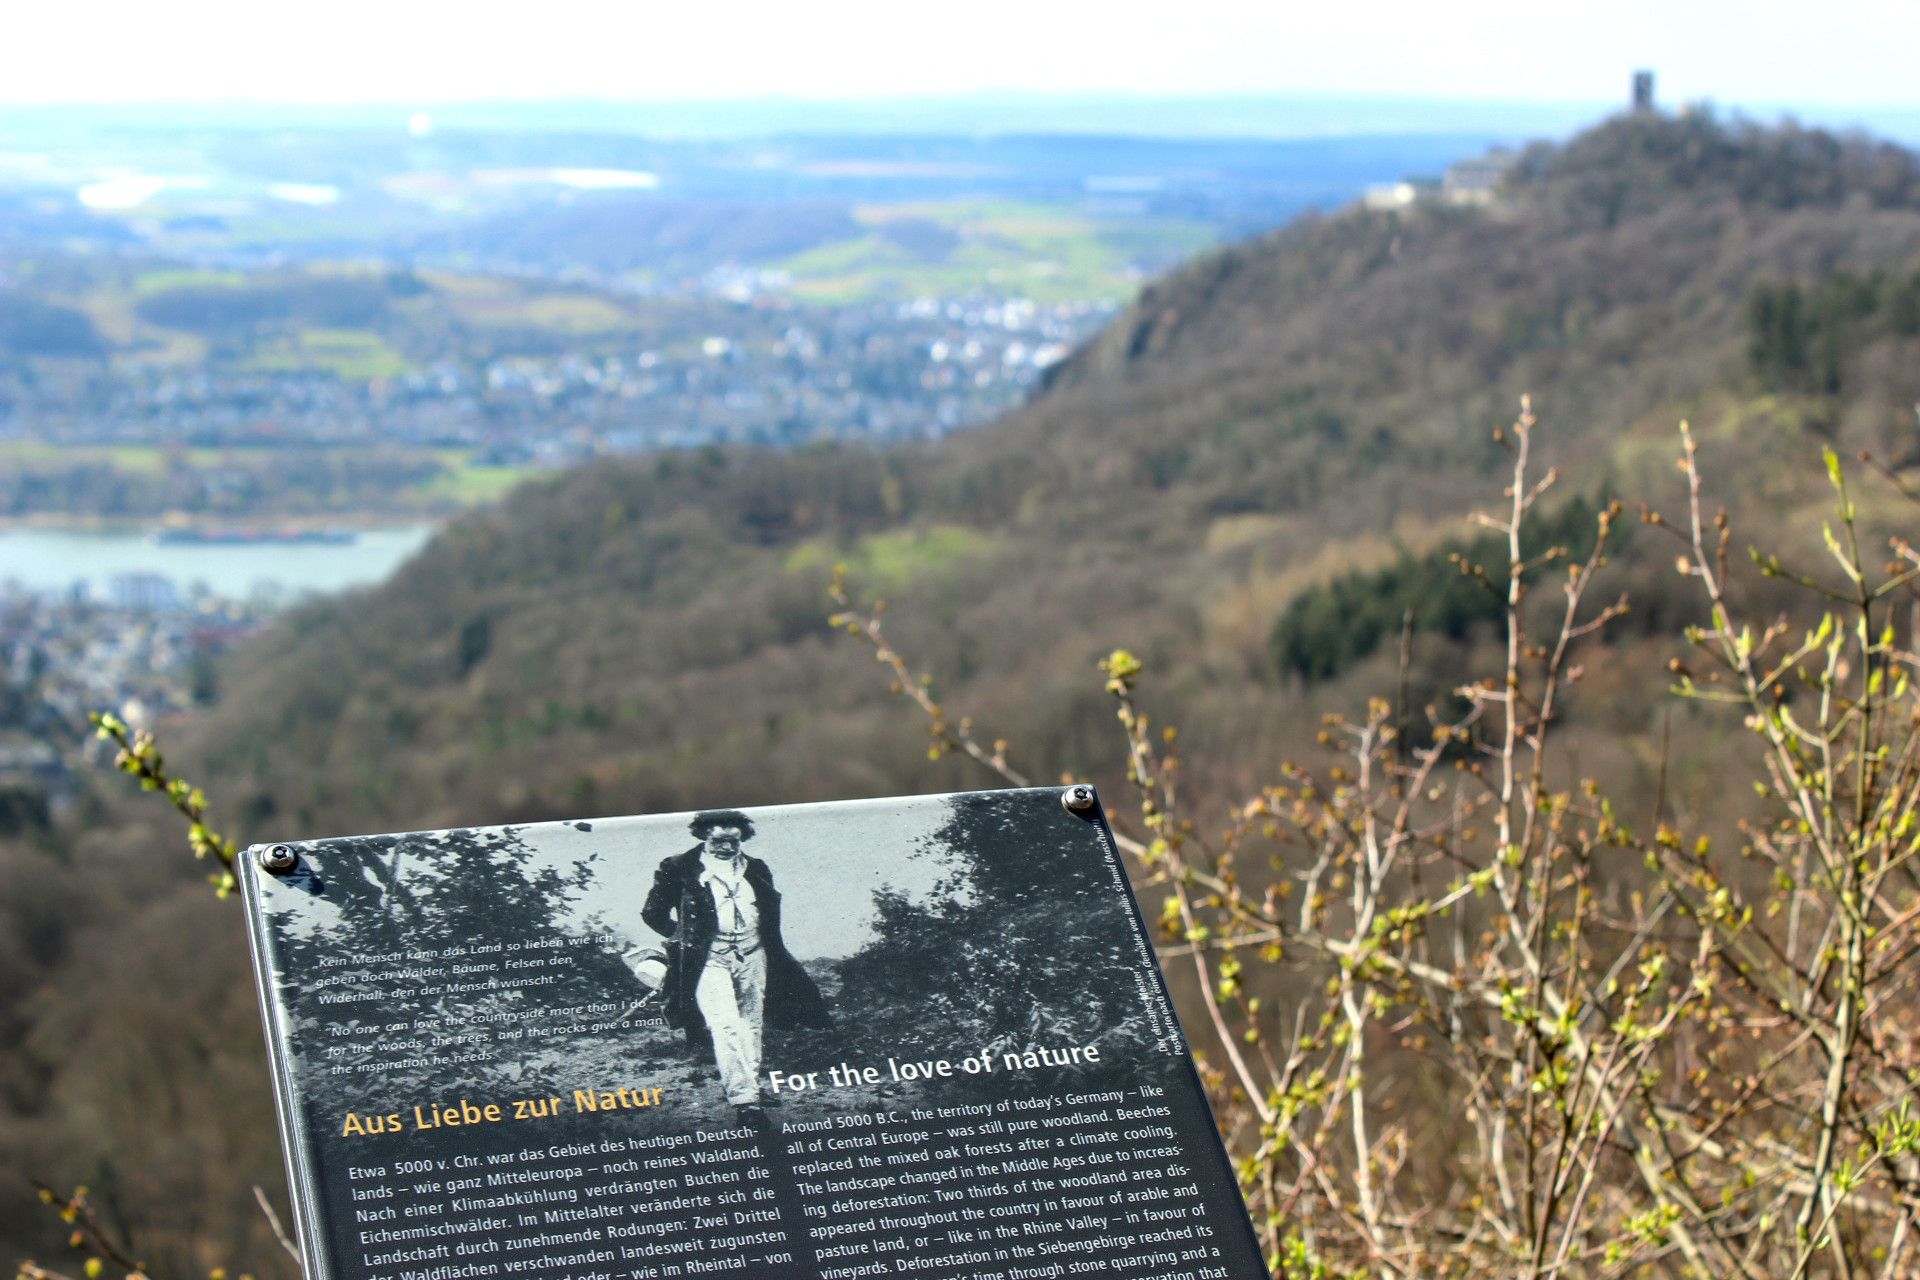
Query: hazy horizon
1275, 116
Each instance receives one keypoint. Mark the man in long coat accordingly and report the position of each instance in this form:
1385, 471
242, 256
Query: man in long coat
728, 971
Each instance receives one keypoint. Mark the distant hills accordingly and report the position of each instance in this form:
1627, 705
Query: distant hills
650, 189
1273, 418
421, 305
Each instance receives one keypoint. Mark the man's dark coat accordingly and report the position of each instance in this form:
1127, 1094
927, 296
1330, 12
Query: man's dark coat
680, 907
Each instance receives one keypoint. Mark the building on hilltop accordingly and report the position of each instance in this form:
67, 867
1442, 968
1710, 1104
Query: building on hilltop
1401, 195
1476, 181
1466, 182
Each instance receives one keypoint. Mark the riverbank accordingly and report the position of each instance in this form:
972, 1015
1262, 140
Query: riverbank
94, 560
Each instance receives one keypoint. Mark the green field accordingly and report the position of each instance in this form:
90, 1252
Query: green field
356, 354
888, 561
291, 338
994, 248
466, 484
574, 313
458, 481
163, 279
34, 456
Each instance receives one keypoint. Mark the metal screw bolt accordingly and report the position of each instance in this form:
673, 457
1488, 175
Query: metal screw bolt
1078, 798
279, 858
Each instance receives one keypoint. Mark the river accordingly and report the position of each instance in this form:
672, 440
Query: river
56, 560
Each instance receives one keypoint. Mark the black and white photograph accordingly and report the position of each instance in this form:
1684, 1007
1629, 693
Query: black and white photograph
708, 950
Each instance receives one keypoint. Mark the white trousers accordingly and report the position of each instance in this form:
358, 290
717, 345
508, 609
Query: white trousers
732, 997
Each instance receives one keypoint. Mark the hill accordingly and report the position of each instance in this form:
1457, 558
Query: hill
1288, 432
1317, 402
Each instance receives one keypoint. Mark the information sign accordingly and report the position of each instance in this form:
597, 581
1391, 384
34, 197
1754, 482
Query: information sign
923, 1037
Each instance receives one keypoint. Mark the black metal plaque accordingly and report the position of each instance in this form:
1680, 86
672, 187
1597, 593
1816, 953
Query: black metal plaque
923, 1037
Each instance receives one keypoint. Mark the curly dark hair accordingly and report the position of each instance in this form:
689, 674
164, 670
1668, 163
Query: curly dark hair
707, 819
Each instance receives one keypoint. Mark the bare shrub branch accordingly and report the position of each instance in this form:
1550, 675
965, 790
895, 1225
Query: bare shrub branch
1469, 1021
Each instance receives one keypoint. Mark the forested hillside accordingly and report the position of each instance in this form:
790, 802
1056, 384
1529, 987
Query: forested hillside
1254, 480
1317, 403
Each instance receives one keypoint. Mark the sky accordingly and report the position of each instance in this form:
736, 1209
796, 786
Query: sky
1743, 53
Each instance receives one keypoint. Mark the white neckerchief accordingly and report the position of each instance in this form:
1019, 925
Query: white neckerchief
727, 880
